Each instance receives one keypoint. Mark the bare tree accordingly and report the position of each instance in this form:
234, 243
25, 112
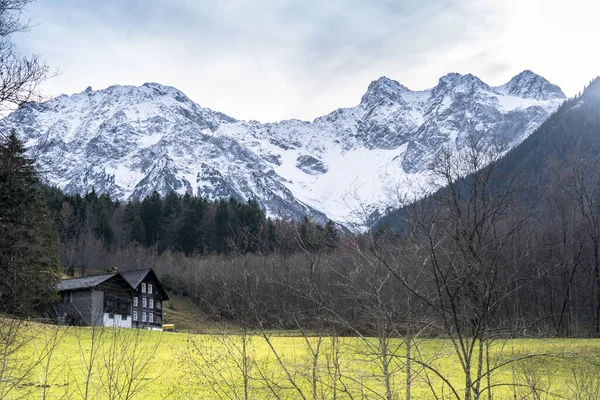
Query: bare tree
464, 237
222, 363
27, 362
114, 362
89, 344
47, 343
578, 179
16, 365
127, 355
20, 76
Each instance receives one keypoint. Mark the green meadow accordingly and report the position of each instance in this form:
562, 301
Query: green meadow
108, 363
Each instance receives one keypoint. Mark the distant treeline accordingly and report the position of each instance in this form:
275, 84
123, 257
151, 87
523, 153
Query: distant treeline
186, 224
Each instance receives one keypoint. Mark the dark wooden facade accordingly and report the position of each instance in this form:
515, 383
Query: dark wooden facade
103, 301
148, 298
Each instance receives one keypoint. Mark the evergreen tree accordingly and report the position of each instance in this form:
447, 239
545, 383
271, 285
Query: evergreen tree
102, 209
308, 235
251, 221
332, 236
170, 212
151, 215
271, 235
138, 233
189, 227
29, 267
222, 229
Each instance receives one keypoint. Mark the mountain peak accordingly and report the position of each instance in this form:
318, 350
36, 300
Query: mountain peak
148, 89
384, 88
529, 85
159, 87
454, 81
384, 81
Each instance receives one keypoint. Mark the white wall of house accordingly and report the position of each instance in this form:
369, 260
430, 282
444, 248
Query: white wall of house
117, 321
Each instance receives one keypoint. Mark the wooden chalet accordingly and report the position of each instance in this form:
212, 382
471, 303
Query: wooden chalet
128, 299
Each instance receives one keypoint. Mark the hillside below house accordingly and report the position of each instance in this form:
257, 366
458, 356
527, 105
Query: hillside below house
187, 316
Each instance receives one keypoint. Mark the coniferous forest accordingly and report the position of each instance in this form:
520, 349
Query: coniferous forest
185, 224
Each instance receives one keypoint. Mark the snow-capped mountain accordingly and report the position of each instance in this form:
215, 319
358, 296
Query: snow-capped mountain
129, 141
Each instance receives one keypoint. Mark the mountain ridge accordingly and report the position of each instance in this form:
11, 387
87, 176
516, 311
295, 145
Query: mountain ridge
130, 140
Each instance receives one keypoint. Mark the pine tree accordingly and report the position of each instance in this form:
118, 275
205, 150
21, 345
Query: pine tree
222, 228
308, 235
170, 213
151, 215
138, 233
271, 235
250, 226
332, 236
102, 209
29, 267
189, 227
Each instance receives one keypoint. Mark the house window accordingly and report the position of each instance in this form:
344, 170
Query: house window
150, 288
135, 301
143, 288
143, 317
124, 317
135, 315
144, 302
151, 305
150, 317
111, 316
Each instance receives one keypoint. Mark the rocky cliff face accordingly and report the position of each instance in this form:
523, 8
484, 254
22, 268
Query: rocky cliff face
129, 141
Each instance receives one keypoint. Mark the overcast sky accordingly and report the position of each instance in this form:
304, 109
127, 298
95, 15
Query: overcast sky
275, 59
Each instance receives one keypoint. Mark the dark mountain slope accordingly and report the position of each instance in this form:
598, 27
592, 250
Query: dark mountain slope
573, 131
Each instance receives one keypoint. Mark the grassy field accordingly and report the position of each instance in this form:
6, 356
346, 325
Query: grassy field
155, 365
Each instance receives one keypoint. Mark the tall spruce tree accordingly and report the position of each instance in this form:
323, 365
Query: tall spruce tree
138, 233
170, 213
189, 235
251, 221
151, 216
332, 236
222, 228
29, 267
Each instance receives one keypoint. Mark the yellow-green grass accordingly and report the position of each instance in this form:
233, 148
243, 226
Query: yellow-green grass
206, 366
185, 315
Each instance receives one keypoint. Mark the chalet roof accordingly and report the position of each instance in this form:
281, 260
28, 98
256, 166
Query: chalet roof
136, 276
82, 283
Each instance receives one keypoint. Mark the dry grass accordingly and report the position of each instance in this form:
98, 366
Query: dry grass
185, 315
